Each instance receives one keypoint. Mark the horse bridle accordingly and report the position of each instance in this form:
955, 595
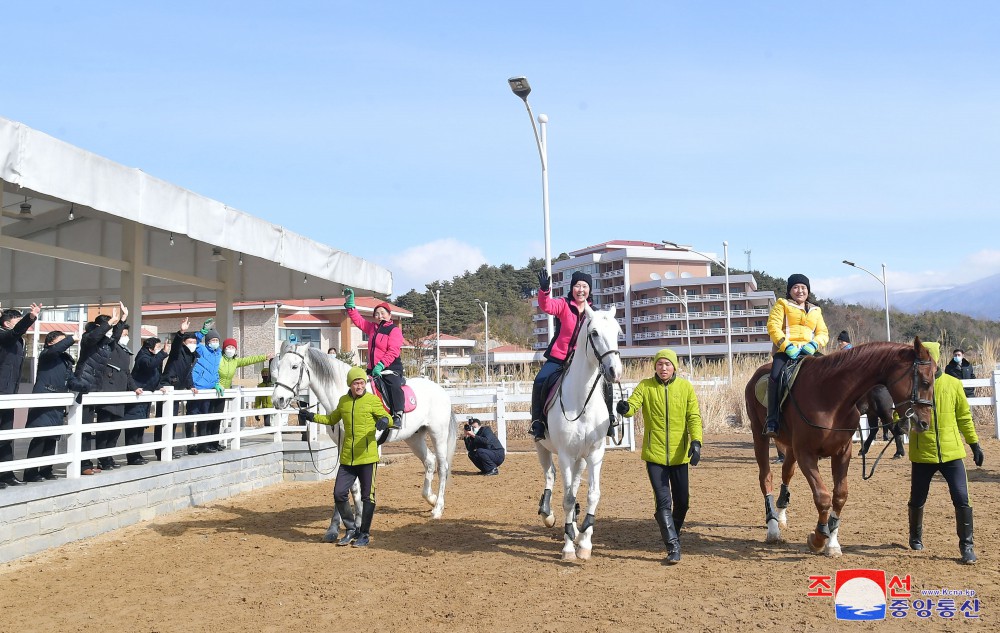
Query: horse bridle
600, 362
293, 389
915, 399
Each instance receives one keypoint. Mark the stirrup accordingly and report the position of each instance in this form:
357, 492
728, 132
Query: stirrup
770, 429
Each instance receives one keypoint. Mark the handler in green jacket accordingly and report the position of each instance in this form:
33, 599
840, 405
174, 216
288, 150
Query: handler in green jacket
362, 414
939, 449
672, 439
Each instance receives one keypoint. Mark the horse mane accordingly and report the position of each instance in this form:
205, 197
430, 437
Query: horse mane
880, 352
320, 364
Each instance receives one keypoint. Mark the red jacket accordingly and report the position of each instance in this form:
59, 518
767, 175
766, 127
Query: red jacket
382, 347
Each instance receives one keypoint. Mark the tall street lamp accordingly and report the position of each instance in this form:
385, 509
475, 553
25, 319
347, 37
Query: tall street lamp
485, 307
885, 291
725, 265
687, 324
520, 87
437, 309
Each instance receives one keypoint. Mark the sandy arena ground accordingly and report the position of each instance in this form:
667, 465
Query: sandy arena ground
255, 562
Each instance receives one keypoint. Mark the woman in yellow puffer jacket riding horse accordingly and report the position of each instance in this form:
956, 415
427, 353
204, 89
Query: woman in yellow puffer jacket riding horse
795, 327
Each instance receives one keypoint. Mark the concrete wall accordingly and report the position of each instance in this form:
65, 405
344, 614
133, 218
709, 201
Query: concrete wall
71, 510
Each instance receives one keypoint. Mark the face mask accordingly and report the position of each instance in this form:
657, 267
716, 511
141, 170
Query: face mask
958, 359
123, 341
191, 347
214, 345
230, 353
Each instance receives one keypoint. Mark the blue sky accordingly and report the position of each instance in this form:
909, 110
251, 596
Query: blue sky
805, 132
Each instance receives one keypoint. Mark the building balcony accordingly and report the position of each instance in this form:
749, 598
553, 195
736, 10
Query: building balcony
652, 301
610, 291
638, 336
611, 273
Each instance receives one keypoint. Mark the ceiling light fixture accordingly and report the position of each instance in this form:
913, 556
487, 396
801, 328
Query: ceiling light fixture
305, 279
217, 255
71, 215
241, 259
171, 239
25, 207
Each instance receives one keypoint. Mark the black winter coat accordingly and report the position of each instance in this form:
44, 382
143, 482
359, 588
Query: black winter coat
147, 370
484, 438
177, 373
95, 352
55, 367
12, 354
115, 376
962, 372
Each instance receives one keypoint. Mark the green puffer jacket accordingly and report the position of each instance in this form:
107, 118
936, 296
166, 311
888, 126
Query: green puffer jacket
951, 421
670, 416
359, 416
228, 367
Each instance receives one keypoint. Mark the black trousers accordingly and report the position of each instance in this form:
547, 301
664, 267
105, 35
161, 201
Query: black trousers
6, 446
670, 484
133, 436
41, 447
199, 407
365, 473
107, 439
486, 459
953, 472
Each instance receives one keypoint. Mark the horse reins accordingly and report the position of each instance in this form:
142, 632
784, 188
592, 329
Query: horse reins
600, 359
293, 389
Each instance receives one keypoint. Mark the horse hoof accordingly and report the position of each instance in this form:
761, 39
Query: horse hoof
773, 533
436, 514
568, 556
783, 519
834, 552
549, 520
330, 537
816, 549
583, 554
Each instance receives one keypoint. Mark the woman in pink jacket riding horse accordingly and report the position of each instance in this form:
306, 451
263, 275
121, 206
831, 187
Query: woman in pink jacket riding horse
385, 340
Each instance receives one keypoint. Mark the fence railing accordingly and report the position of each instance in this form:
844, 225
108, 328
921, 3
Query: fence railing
239, 407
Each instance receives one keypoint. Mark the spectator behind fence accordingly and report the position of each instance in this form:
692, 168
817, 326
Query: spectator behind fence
177, 376
13, 325
146, 372
228, 365
205, 377
483, 447
264, 402
103, 367
960, 368
55, 366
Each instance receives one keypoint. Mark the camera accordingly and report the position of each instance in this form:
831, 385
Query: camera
468, 427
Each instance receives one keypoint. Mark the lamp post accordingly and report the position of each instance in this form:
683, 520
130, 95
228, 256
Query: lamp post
687, 325
885, 293
437, 309
521, 88
485, 307
725, 265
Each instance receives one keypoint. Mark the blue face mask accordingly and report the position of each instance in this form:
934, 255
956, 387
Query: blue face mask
958, 360
214, 345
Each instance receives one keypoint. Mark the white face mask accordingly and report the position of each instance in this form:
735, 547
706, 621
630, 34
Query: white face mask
191, 347
123, 341
230, 352
109, 332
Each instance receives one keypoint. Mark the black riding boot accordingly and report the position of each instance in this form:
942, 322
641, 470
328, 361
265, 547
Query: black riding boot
916, 527
367, 512
963, 521
347, 516
537, 410
668, 532
771, 424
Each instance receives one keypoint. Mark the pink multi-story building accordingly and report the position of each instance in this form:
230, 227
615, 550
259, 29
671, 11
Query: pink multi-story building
667, 297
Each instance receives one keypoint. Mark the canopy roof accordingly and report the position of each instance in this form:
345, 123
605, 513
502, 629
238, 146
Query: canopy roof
97, 231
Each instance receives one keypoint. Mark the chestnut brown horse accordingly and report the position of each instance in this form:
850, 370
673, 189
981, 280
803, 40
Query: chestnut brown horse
819, 419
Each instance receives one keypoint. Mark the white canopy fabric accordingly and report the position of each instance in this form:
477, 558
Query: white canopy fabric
180, 246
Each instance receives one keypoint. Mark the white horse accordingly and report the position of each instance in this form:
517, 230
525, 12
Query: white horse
298, 365
578, 424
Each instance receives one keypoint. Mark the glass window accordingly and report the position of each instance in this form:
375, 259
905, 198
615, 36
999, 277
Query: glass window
301, 335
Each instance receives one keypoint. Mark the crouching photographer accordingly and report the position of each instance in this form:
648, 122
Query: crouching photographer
484, 448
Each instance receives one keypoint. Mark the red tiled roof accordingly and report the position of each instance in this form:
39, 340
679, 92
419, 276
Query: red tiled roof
53, 326
305, 318
609, 244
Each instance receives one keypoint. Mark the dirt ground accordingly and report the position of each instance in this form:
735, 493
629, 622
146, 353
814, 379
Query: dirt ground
256, 563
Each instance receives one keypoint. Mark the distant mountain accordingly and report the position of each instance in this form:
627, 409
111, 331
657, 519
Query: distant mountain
979, 299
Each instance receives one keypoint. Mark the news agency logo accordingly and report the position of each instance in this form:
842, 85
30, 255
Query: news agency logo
860, 594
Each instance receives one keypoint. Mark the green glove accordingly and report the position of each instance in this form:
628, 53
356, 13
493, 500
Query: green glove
792, 352
207, 325
219, 390
377, 369
349, 303
809, 348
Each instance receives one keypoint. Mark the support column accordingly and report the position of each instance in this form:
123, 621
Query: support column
133, 252
227, 274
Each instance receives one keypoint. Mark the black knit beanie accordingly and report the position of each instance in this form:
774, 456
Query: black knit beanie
798, 278
844, 336
582, 276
